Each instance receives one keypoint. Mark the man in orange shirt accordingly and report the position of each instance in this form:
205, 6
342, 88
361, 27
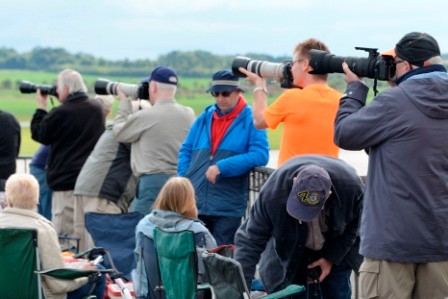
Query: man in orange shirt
308, 112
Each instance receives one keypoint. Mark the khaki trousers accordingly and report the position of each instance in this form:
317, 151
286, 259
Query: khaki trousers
62, 212
382, 279
85, 204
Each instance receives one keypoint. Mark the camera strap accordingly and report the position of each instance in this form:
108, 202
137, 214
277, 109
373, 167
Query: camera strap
375, 83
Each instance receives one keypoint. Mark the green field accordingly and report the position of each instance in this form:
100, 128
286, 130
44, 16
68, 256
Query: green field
191, 92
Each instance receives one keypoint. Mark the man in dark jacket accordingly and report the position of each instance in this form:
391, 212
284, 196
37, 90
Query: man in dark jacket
306, 221
9, 146
72, 129
404, 236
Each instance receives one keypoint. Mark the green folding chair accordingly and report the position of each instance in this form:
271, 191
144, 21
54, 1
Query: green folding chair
178, 264
18, 263
226, 277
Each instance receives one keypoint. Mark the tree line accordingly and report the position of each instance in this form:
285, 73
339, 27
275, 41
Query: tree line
192, 64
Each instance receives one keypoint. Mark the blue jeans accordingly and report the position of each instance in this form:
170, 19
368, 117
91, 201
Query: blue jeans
148, 189
45, 193
98, 290
335, 286
223, 228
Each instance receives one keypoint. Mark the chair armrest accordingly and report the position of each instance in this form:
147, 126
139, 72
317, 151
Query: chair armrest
289, 290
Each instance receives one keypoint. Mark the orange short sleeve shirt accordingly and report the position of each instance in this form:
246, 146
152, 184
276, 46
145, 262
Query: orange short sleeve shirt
308, 116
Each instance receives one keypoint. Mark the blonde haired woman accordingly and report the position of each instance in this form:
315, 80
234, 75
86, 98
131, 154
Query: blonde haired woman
174, 210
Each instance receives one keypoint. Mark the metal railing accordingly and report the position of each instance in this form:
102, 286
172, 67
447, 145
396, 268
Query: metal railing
23, 164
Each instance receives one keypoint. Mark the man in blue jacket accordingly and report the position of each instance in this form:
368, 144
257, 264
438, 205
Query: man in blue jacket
404, 236
221, 148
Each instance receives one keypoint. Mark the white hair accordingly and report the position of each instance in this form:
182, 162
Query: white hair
107, 101
164, 87
22, 190
73, 80
435, 60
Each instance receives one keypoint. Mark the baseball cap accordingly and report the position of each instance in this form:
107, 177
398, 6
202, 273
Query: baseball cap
224, 80
309, 192
163, 74
416, 48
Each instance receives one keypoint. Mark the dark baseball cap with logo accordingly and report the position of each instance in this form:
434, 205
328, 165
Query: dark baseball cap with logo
310, 190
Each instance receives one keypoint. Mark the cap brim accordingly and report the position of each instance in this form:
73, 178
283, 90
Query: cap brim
390, 52
218, 88
146, 80
298, 211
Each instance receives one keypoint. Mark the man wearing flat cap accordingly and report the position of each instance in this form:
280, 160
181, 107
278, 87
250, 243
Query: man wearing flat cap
305, 221
156, 135
221, 148
404, 235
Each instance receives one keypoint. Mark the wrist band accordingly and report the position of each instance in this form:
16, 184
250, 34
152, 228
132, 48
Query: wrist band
261, 89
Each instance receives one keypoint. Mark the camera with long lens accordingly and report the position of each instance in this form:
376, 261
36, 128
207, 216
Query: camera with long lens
375, 66
104, 86
265, 69
30, 87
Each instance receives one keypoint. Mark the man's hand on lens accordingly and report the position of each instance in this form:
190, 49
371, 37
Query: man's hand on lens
120, 95
253, 78
41, 100
349, 75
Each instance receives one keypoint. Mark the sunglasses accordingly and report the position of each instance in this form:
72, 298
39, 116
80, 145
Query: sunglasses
223, 93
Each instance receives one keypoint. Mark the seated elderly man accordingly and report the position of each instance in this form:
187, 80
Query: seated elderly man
22, 193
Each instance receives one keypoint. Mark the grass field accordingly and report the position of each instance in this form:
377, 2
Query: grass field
23, 106
191, 93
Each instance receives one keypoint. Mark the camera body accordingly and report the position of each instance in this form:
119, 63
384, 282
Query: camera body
107, 87
375, 66
30, 87
265, 69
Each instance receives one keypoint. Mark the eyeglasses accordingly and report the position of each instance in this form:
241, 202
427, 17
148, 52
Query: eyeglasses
223, 93
298, 60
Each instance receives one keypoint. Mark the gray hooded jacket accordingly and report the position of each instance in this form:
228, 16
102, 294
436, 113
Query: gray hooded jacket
405, 215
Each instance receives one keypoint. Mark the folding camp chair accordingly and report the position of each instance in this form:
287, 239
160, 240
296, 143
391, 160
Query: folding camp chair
20, 265
116, 233
226, 277
178, 264
148, 255
19, 259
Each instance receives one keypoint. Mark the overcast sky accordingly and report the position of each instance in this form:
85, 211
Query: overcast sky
145, 29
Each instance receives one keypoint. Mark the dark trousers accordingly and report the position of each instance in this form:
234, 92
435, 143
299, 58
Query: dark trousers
335, 286
223, 228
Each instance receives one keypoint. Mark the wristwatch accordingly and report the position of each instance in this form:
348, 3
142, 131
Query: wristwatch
261, 89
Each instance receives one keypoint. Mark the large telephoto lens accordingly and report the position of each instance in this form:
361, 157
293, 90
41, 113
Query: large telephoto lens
263, 69
104, 86
371, 67
30, 87
324, 63
27, 87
